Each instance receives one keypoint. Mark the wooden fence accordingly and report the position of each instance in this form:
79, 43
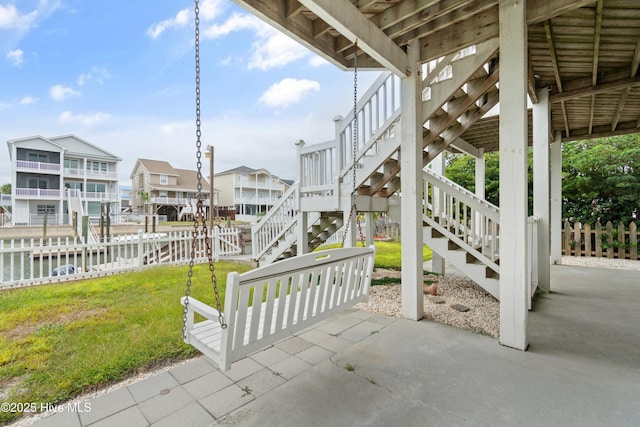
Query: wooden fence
611, 242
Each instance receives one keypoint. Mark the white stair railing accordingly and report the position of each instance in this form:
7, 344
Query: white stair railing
278, 221
470, 221
321, 166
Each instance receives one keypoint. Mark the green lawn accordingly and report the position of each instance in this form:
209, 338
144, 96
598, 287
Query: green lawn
58, 341
388, 253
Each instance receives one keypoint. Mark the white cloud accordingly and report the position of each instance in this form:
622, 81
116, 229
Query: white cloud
317, 61
180, 20
272, 49
28, 100
174, 127
288, 91
85, 119
236, 22
15, 56
97, 74
59, 93
10, 18
210, 9
275, 50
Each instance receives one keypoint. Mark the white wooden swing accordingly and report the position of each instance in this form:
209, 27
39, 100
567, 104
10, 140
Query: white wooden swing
269, 303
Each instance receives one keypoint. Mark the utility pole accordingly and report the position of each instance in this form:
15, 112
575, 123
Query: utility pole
209, 154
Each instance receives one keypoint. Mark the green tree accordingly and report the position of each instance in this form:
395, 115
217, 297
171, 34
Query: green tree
461, 169
601, 179
5, 189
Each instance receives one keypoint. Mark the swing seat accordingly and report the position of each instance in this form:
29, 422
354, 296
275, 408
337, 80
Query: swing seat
269, 303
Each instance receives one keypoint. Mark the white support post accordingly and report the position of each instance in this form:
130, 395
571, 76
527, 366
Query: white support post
513, 174
541, 187
411, 177
303, 237
352, 232
437, 166
368, 228
556, 200
480, 190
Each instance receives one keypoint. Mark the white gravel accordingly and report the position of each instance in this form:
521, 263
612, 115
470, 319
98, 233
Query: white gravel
482, 317
484, 314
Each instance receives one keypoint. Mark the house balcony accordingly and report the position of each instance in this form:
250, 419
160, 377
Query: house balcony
5, 199
37, 193
40, 167
256, 200
175, 201
95, 196
246, 183
106, 175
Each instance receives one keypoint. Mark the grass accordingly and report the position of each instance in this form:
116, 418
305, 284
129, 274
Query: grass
59, 341
388, 254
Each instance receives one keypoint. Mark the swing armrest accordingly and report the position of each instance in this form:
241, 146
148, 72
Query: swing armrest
201, 308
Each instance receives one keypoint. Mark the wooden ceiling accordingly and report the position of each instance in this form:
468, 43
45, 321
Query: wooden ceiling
587, 52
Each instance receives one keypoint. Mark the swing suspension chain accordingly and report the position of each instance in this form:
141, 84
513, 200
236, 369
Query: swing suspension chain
199, 216
354, 208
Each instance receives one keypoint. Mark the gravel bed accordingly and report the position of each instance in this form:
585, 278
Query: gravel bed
484, 310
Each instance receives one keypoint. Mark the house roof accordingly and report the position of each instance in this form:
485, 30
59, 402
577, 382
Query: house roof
156, 167
187, 180
242, 169
78, 146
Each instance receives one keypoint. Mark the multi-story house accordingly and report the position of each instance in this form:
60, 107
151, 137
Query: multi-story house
252, 191
159, 188
58, 176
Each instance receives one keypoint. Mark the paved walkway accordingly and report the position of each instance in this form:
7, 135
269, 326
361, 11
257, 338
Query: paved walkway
356, 368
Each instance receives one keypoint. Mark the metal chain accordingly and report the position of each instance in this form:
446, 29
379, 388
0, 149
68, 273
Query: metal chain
354, 207
199, 216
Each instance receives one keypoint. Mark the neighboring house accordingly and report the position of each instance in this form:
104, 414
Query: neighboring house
159, 188
60, 175
252, 191
125, 198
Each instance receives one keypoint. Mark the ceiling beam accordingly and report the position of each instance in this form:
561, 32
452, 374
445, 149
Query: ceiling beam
588, 91
343, 16
543, 10
483, 26
603, 131
596, 58
551, 42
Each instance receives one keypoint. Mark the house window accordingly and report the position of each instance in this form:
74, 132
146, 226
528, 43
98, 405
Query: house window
96, 166
96, 188
46, 209
71, 163
38, 183
162, 194
38, 157
73, 185
164, 179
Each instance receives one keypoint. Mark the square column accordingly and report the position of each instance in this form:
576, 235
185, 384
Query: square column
411, 178
541, 186
556, 200
437, 166
513, 174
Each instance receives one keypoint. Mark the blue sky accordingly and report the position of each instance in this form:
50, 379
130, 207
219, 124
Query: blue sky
120, 74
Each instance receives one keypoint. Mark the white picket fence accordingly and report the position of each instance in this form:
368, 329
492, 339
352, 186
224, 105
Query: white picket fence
36, 261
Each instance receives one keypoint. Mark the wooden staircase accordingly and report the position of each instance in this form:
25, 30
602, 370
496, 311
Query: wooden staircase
457, 91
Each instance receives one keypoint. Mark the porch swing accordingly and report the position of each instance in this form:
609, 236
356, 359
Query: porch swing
272, 302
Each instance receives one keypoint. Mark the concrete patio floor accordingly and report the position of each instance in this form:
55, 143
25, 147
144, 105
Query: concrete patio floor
360, 369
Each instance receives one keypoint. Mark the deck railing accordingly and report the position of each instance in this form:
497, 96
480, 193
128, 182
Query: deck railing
473, 223
30, 262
